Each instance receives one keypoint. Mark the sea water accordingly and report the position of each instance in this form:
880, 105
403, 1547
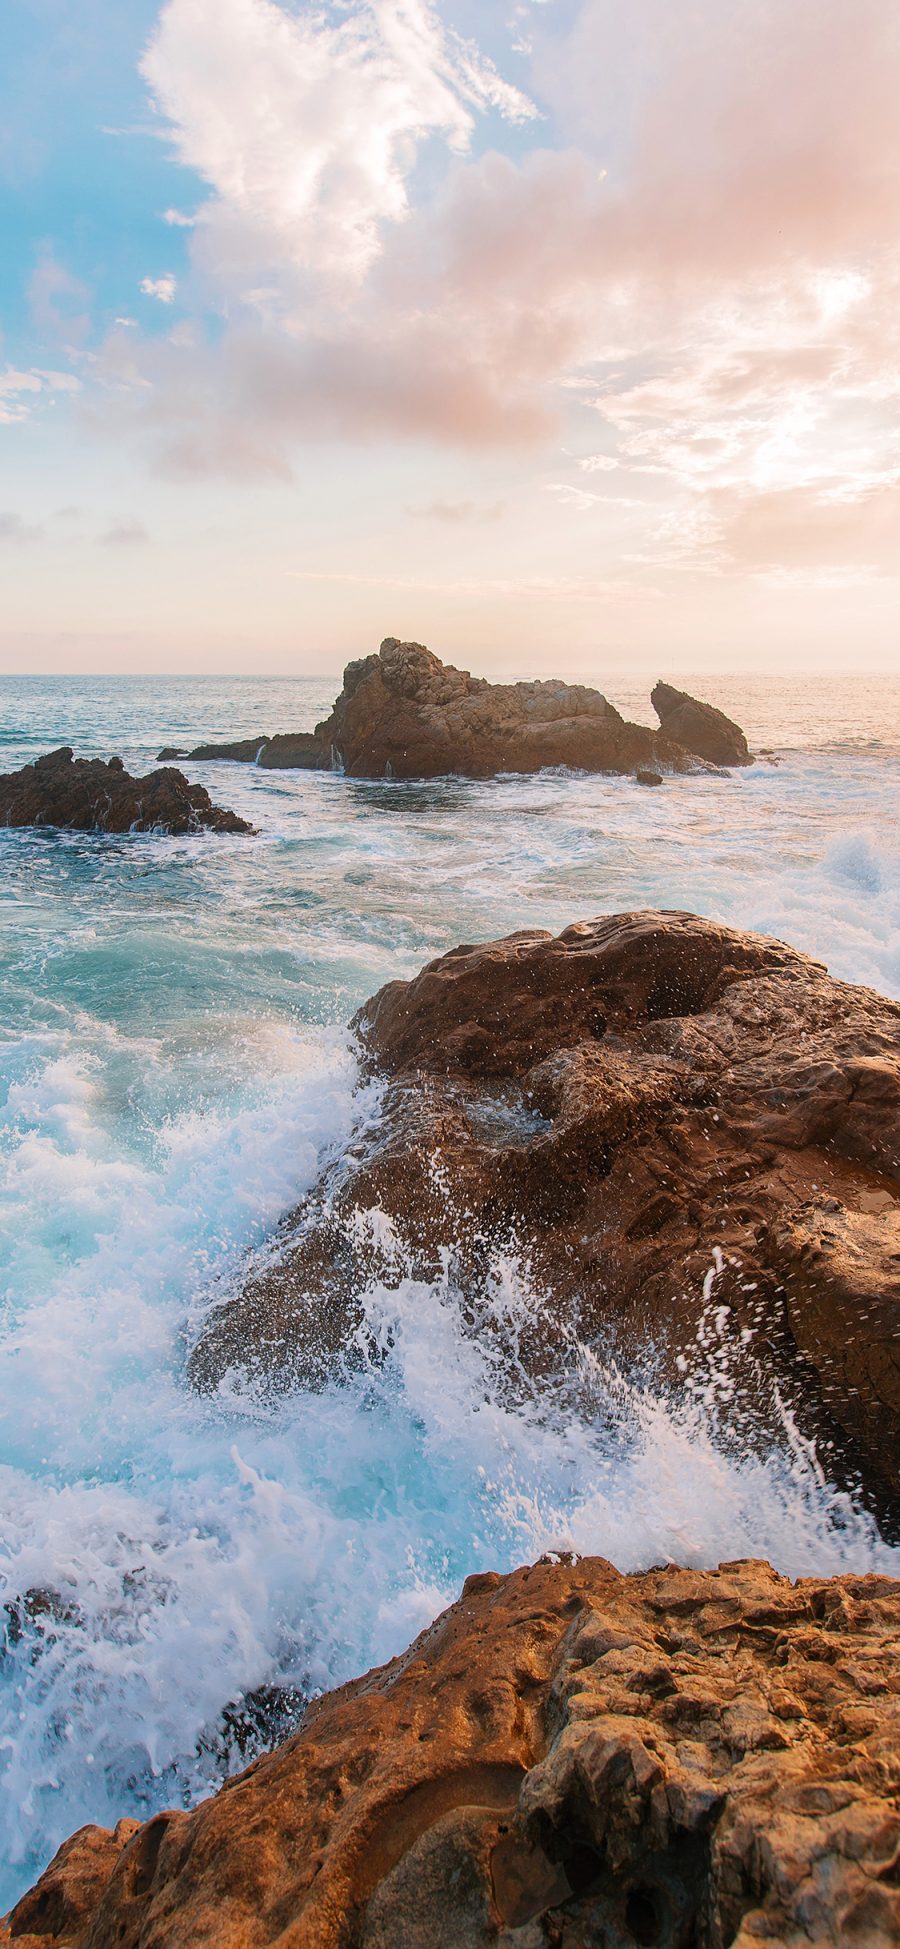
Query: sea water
174, 1069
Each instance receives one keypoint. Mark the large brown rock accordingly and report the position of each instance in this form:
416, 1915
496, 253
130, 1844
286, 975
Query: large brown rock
88, 795
405, 714
699, 727
632, 1104
567, 1759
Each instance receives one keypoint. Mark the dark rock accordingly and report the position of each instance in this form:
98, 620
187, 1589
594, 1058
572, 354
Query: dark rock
648, 777
633, 1098
296, 751
699, 727
86, 795
567, 1759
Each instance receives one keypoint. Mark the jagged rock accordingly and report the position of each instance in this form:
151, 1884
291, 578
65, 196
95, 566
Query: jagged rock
699, 727
404, 714
567, 1759
88, 795
648, 777
637, 1098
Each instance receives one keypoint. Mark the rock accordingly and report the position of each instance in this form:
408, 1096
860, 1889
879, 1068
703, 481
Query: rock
643, 1099
648, 777
290, 751
404, 714
567, 1759
88, 795
699, 727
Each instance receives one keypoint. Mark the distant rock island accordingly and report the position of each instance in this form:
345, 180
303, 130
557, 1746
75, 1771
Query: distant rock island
90, 795
405, 714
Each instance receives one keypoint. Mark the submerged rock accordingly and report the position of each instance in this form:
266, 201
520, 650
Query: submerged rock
656, 1114
405, 714
89, 795
699, 727
567, 1759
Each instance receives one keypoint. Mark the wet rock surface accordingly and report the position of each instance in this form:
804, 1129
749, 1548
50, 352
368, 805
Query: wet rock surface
699, 727
91, 795
690, 1135
567, 1758
405, 714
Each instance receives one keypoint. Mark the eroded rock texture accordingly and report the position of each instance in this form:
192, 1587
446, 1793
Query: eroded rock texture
643, 1099
90, 795
405, 714
567, 1759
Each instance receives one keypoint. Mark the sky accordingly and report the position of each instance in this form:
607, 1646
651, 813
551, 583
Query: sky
558, 334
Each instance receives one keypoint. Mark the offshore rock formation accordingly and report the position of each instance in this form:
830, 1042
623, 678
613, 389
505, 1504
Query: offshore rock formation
567, 1759
87, 795
699, 727
646, 1098
405, 714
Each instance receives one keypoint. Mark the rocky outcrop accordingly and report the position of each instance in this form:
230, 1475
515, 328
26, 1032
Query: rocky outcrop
404, 714
699, 727
290, 751
88, 795
664, 1115
567, 1759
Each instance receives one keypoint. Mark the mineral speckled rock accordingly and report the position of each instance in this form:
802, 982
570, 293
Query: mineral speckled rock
652, 1101
90, 795
567, 1759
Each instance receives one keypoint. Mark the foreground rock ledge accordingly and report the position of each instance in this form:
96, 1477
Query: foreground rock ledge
405, 714
632, 1099
90, 795
567, 1758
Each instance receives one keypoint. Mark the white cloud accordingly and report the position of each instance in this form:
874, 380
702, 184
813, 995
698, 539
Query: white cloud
18, 390
163, 288
125, 534
178, 219
306, 125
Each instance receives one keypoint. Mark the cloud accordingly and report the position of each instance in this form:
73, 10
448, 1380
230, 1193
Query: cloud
19, 390
57, 299
455, 513
14, 529
163, 288
306, 126
126, 534
178, 219
695, 281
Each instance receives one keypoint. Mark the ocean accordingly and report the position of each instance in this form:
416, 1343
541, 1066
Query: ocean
174, 1066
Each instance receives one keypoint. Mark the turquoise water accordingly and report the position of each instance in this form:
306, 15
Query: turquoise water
174, 1067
